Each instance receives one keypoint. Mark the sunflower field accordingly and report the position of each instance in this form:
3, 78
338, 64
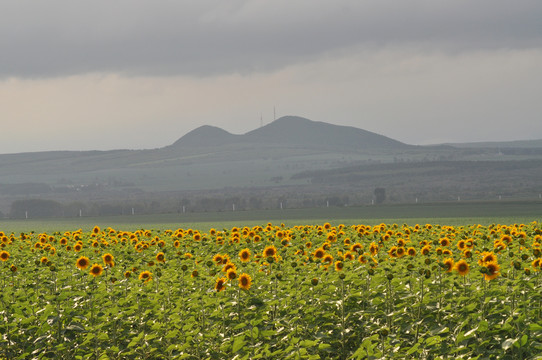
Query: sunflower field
274, 292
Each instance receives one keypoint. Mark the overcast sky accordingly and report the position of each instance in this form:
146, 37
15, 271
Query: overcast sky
131, 74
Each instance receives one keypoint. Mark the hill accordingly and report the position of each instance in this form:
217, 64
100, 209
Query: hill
293, 132
292, 159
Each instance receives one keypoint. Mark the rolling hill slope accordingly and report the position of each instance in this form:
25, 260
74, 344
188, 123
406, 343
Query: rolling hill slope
209, 158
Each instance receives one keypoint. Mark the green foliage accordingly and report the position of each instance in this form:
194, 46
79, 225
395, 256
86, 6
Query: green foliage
299, 305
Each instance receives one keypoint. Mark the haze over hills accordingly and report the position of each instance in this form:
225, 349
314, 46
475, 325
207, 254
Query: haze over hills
295, 132
312, 159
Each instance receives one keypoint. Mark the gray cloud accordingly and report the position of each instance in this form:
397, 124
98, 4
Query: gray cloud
135, 37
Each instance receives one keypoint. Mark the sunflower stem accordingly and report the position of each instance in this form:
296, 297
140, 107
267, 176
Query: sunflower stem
239, 303
343, 322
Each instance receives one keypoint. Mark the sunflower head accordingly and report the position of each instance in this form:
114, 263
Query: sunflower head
218, 259
161, 257
448, 265
108, 259
328, 259
244, 255
492, 270
319, 253
231, 274
4, 255
462, 267
96, 270
82, 263
270, 251
245, 281
220, 284
145, 276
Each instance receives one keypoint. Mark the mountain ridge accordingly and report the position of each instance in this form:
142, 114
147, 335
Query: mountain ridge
294, 131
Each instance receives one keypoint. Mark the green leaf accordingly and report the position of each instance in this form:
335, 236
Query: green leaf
433, 340
535, 327
238, 343
439, 330
523, 340
413, 349
308, 343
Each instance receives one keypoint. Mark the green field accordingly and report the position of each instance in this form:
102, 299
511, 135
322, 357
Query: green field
386, 290
502, 212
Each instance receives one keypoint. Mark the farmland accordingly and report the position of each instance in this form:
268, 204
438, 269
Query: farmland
274, 290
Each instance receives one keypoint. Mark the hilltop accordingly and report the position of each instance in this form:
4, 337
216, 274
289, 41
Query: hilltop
295, 132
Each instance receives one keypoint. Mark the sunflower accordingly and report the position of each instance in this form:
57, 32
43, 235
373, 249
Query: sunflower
448, 264
400, 251
228, 267
160, 257
231, 274
244, 255
245, 281
82, 263
319, 253
411, 251
96, 230
462, 267
392, 252
108, 259
96, 270
4, 255
425, 250
77, 247
339, 265
373, 248
461, 245
127, 274
356, 247
328, 259
13, 268
487, 257
218, 259
145, 276
270, 251
536, 264
44, 260
362, 259
220, 284
195, 273
492, 270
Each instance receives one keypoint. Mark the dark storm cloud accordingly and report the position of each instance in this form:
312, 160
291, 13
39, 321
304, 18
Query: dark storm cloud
133, 37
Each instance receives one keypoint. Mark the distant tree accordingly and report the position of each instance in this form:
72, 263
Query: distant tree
36, 208
380, 195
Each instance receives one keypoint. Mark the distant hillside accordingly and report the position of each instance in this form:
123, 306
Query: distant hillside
256, 169
294, 132
206, 136
300, 132
524, 144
